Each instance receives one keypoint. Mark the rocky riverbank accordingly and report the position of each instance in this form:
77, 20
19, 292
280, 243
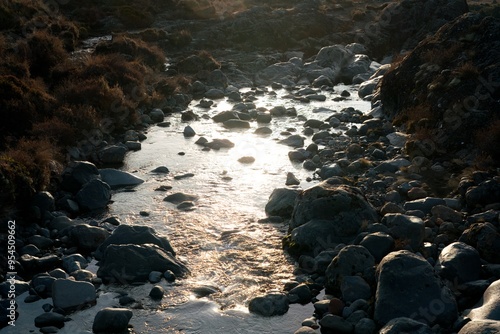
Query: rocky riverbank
398, 239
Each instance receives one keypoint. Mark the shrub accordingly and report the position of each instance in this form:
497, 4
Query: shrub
149, 54
44, 51
56, 131
134, 17
467, 71
488, 139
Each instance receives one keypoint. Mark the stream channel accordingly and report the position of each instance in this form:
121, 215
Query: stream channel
231, 255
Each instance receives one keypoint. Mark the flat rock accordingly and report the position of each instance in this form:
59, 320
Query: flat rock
116, 178
70, 295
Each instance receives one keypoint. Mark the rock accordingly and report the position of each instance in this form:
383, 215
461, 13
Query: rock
83, 275
117, 178
485, 238
40, 241
281, 202
178, 198
214, 94
406, 230
481, 326
303, 293
447, 214
155, 276
87, 238
70, 295
161, 170
350, 261
34, 265
379, 244
269, 305
459, 263
217, 144
94, 195
353, 288
157, 115
134, 234
113, 154
488, 308
186, 205
50, 319
236, 124
335, 324
305, 330
408, 287
189, 132
365, 326
77, 174
293, 141
157, 292
367, 87
485, 193
416, 193
291, 180
331, 170
132, 263
73, 262
405, 325
225, 116
133, 145
246, 160
44, 201
111, 320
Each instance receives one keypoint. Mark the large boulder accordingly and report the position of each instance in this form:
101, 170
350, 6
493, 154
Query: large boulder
128, 263
281, 202
488, 307
459, 263
69, 295
87, 238
94, 195
111, 320
117, 178
408, 287
77, 174
352, 260
134, 234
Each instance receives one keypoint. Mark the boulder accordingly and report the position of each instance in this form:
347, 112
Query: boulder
335, 324
116, 178
70, 295
424, 204
367, 87
157, 115
94, 195
134, 234
225, 116
485, 238
281, 202
293, 141
351, 260
379, 244
408, 287
353, 288
405, 325
459, 263
132, 263
50, 319
112, 154
77, 174
488, 308
236, 124
87, 238
481, 326
269, 305
111, 320
406, 230
178, 198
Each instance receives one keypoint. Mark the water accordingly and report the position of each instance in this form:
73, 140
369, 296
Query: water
227, 250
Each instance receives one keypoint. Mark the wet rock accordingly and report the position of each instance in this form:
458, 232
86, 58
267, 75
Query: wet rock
217, 144
459, 263
214, 94
33, 265
281, 202
178, 198
335, 324
225, 116
264, 117
305, 330
246, 160
481, 326
331, 170
488, 308
157, 115
50, 319
116, 178
236, 124
161, 170
269, 305
157, 292
94, 195
351, 260
134, 234
408, 287
111, 320
188, 132
113, 154
367, 87
293, 141
133, 263
186, 205
365, 326
70, 295
77, 174
291, 180
405, 325
87, 238
303, 293
485, 238
406, 230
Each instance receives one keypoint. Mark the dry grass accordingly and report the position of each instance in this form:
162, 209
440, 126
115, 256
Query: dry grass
467, 71
488, 140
